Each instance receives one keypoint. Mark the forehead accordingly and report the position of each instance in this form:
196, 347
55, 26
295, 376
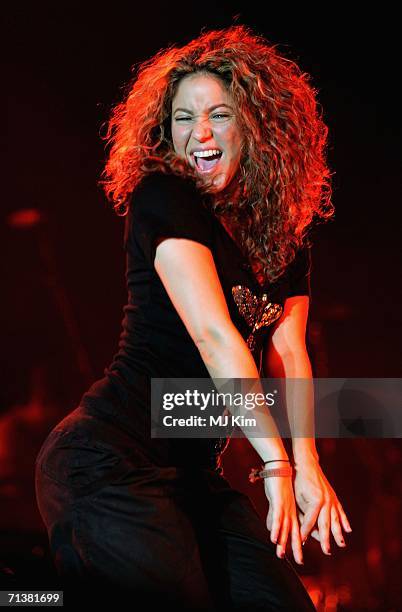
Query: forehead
200, 91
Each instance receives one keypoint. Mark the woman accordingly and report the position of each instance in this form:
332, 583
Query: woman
217, 162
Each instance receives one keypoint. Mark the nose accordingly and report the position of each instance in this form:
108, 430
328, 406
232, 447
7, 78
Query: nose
202, 130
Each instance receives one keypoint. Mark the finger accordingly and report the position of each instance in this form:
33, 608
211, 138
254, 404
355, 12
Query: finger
296, 542
344, 519
276, 525
336, 528
315, 534
281, 547
323, 523
269, 521
310, 518
301, 521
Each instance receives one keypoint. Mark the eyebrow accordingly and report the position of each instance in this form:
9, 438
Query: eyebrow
211, 108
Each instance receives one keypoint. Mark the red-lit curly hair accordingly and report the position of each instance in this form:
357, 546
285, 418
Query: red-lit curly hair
285, 180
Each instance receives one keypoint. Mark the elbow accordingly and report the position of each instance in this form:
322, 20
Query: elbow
214, 338
292, 363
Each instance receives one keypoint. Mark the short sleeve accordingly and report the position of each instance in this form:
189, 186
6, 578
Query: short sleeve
166, 205
299, 273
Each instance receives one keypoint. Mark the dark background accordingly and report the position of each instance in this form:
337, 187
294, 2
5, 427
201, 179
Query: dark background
63, 261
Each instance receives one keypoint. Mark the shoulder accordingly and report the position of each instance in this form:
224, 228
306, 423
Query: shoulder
160, 188
167, 205
301, 263
299, 271
161, 197
296, 279
157, 178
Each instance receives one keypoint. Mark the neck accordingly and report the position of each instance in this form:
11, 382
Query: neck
233, 190
231, 193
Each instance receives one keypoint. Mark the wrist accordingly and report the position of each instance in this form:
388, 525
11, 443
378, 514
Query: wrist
306, 460
274, 463
269, 449
304, 451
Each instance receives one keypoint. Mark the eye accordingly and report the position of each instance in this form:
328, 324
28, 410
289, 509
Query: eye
222, 115
182, 118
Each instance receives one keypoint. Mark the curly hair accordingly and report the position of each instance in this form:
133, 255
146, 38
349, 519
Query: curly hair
284, 176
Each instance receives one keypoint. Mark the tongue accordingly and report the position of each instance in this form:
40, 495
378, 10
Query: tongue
206, 164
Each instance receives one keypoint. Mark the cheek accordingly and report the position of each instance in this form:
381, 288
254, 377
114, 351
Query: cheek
235, 151
233, 143
179, 138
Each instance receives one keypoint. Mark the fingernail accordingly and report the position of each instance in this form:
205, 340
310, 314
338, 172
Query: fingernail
303, 542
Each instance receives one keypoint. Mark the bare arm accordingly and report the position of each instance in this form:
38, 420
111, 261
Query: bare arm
188, 273
285, 356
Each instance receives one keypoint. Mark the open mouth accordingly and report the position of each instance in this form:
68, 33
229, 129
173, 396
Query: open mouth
206, 163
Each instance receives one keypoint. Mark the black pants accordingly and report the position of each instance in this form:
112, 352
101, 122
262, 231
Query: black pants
121, 526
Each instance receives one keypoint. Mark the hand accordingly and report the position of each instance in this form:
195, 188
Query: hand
318, 502
282, 516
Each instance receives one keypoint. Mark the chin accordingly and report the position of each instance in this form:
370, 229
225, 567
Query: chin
222, 182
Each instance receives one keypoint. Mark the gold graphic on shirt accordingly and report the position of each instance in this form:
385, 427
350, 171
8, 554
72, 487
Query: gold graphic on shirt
257, 311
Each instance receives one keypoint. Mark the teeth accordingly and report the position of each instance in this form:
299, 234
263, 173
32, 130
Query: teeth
207, 153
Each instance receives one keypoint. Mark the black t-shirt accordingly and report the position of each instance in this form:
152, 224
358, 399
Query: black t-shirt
154, 341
